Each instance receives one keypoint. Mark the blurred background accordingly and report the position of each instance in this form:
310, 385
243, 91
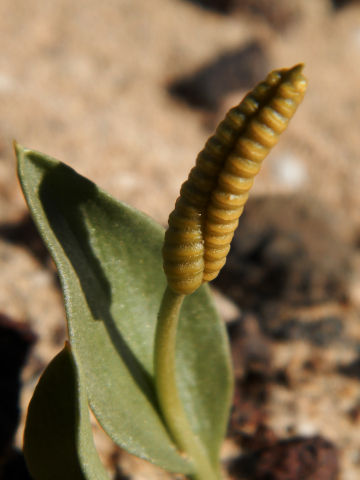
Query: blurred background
126, 92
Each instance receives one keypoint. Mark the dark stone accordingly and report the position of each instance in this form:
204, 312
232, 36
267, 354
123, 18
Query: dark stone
237, 70
279, 14
338, 4
293, 459
220, 6
351, 370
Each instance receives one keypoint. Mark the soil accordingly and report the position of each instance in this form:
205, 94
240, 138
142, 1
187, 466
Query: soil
126, 92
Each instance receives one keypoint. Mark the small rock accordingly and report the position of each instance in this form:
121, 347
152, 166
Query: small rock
294, 459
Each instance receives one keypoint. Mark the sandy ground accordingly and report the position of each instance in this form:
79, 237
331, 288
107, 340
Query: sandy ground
88, 82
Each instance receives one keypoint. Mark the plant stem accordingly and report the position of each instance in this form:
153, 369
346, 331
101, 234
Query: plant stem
167, 391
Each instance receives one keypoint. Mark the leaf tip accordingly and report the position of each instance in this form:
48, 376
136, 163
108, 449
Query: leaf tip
18, 148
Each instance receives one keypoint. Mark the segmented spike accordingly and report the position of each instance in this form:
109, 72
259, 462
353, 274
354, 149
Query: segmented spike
212, 199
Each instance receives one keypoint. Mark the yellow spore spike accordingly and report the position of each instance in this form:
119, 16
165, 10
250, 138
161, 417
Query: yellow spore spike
211, 201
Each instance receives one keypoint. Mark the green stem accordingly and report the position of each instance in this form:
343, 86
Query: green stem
166, 387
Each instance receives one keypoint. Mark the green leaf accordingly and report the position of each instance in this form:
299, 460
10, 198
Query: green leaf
58, 441
205, 377
108, 256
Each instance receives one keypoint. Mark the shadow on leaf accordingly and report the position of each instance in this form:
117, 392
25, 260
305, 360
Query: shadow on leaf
64, 204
